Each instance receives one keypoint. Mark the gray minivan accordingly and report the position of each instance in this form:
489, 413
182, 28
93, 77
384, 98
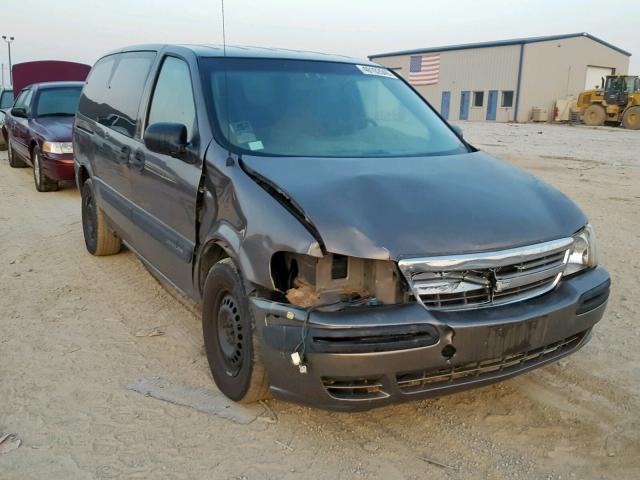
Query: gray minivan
348, 247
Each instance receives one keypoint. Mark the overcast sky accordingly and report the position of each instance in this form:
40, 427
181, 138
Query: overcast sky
82, 30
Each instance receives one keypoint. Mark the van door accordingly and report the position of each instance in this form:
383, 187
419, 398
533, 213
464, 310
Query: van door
164, 188
108, 118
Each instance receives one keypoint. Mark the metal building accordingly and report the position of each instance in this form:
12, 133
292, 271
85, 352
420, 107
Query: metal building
505, 80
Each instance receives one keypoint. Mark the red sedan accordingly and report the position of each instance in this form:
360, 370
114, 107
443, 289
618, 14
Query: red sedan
38, 131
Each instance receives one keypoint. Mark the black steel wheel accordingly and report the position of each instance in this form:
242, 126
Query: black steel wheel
231, 344
98, 237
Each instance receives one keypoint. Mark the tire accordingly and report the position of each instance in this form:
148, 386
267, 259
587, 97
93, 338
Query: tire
230, 338
631, 118
594, 115
98, 237
42, 182
14, 162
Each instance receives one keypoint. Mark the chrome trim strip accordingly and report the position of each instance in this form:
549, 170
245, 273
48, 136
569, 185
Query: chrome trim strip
471, 261
487, 261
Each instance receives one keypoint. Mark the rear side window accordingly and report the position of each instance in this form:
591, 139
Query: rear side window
173, 96
95, 88
125, 91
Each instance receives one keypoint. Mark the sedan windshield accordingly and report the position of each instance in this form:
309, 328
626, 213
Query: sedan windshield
321, 109
57, 102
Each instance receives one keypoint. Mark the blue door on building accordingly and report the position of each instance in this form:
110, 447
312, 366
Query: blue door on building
444, 105
492, 107
464, 105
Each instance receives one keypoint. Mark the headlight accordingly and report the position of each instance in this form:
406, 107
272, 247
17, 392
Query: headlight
57, 147
583, 253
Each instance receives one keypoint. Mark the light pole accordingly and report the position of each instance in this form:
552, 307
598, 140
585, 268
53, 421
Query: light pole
9, 40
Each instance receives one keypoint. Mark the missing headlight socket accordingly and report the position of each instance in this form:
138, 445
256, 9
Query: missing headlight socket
308, 281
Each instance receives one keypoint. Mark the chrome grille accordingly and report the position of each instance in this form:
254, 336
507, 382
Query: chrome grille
477, 280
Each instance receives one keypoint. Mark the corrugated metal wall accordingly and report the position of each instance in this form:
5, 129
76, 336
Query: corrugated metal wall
556, 69
480, 69
551, 70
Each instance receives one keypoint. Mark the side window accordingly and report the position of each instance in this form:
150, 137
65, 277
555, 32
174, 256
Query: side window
173, 96
20, 100
24, 99
95, 88
125, 91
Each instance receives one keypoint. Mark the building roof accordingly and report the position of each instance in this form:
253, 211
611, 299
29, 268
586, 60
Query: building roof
500, 43
235, 51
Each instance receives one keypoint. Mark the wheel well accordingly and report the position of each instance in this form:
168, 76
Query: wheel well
83, 176
212, 253
31, 147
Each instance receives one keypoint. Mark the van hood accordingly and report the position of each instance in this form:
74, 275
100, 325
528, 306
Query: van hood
417, 206
53, 129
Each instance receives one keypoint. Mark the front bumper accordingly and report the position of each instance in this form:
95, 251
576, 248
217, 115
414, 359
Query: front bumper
58, 167
363, 358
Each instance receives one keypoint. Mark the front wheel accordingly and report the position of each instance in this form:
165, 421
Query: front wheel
98, 237
42, 181
232, 346
631, 118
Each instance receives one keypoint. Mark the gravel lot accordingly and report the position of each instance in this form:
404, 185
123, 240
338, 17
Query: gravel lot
70, 344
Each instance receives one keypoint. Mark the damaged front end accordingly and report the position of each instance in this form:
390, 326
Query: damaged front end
336, 280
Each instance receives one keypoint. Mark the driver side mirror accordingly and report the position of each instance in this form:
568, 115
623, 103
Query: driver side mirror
457, 129
19, 112
166, 138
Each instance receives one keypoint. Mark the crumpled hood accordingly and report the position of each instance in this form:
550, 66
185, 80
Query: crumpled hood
416, 206
53, 129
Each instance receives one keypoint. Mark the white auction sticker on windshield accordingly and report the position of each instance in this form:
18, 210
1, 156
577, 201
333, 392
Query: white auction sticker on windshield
378, 71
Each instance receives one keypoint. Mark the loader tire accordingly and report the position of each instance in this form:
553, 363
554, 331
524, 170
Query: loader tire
631, 118
594, 115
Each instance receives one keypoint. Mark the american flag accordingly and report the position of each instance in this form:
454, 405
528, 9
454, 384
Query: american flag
424, 69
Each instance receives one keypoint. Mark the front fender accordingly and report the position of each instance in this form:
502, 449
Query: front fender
246, 221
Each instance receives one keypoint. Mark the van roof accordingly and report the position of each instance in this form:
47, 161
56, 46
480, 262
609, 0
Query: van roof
237, 51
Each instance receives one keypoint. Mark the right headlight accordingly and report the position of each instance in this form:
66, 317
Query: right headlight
583, 252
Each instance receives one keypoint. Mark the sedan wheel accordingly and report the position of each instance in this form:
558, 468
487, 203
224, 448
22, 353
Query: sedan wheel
42, 181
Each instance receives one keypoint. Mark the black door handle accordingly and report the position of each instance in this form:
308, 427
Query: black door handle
137, 161
123, 156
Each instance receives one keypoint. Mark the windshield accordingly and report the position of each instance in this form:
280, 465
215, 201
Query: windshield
57, 102
322, 109
6, 99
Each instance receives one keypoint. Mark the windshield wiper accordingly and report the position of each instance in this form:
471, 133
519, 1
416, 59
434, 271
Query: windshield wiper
57, 114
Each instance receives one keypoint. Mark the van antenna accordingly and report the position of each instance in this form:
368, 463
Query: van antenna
226, 87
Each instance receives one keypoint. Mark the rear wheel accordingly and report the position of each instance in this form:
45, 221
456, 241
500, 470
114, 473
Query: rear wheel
232, 346
42, 181
631, 118
98, 237
14, 161
595, 115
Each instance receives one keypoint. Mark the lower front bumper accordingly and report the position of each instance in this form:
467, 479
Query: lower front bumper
58, 167
363, 358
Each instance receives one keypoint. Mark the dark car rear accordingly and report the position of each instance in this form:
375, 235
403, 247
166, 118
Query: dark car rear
348, 247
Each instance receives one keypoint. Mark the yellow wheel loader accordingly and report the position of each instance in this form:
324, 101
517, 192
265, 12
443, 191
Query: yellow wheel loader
618, 100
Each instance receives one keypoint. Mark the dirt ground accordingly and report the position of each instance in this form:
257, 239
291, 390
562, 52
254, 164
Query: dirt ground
69, 347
